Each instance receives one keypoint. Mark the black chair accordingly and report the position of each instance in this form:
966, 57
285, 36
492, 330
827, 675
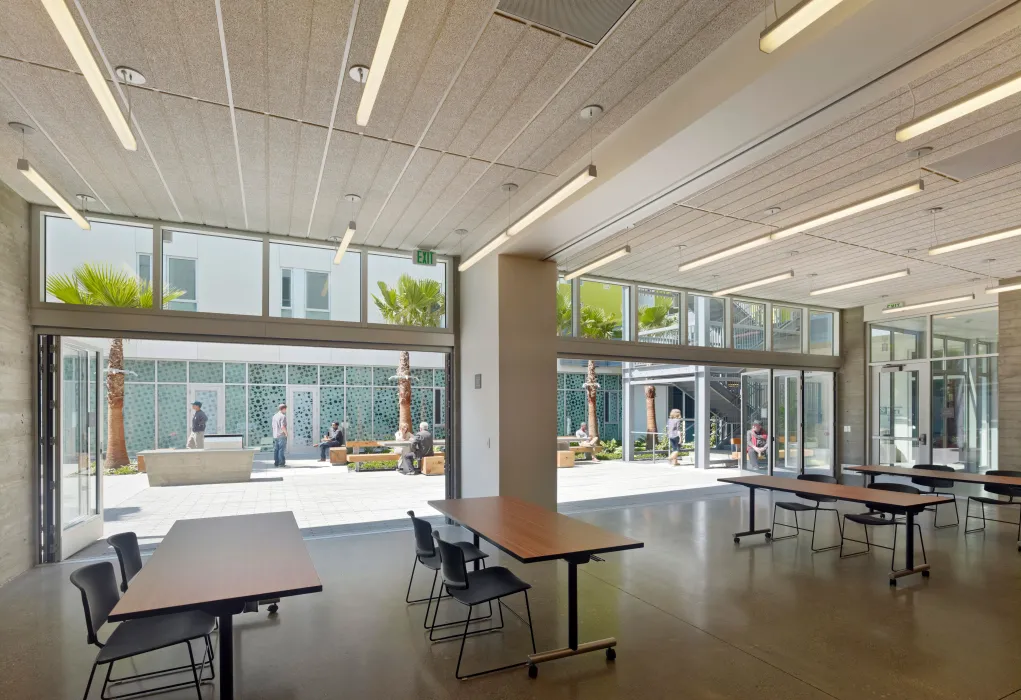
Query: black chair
933, 484
796, 507
867, 520
1013, 494
427, 555
98, 586
129, 556
473, 588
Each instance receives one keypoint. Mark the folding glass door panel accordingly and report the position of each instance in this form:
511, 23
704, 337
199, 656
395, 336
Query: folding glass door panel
755, 452
818, 421
900, 414
786, 443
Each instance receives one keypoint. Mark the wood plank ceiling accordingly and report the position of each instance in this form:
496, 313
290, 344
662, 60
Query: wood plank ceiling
471, 99
840, 164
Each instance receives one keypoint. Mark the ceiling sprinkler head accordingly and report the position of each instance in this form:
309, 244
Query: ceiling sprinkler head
129, 76
590, 112
359, 74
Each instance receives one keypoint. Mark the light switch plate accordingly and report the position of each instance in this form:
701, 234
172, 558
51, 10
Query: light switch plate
847, 428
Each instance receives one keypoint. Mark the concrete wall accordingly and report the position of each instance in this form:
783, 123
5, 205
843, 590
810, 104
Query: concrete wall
1009, 390
17, 512
852, 380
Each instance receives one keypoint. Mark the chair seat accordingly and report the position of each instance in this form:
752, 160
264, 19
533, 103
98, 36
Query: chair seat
151, 633
471, 554
791, 505
489, 584
866, 519
995, 501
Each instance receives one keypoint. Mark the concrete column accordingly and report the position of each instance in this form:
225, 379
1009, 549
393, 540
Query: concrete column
1009, 381
509, 380
852, 380
702, 417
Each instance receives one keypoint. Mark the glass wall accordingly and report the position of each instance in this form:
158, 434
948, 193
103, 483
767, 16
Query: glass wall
820, 333
898, 339
565, 308
786, 329
304, 283
964, 413
818, 422
212, 274
79, 438
749, 320
786, 423
706, 321
604, 309
965, 333
755, 420
659, 317
406, 294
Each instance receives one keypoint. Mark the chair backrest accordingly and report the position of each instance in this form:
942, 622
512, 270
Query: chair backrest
901, 488
455, 572
128, 555
1000, 489
98, 586
819, 479
932, 482
424, 546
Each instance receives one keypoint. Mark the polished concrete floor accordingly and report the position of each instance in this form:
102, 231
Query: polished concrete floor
695, 615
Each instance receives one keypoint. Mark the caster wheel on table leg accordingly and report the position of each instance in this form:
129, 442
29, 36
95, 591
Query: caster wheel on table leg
273, 609
611, 654
769, 535
893, 583
925, 574
738, 539
533, 671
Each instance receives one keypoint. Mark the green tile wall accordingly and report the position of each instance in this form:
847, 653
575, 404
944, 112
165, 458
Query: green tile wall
139, 417
259, 373
205, 372
359, 376
302, 374
331, 374
172, 371
381, 376
384, 413
172, 403
262, 404
139, 370
236, 372
331, 407
359, 413
235, 412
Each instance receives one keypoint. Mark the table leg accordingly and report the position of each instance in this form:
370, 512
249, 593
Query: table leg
572, 605
909, 553
226, 639
751, 520
476, 542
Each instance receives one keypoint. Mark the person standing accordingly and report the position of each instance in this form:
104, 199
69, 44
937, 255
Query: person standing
280, 436
673, 433
197, 436
334, 438
757, 440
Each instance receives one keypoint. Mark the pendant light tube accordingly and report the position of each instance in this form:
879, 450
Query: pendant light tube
1001, 90
975, 240
850, 210
927, 304
615, 255
344, 242
796, 20
757, 283
47, 189
861, 283
380, 58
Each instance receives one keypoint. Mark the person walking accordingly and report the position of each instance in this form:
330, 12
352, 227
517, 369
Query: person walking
280, 436
197, 436
673, 433
334, 438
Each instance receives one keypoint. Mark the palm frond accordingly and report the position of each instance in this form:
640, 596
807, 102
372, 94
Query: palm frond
411, 302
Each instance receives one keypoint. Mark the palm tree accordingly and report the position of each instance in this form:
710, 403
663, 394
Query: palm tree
104, 285
601, 324
650, 415
657, 316
411, 302
564, 317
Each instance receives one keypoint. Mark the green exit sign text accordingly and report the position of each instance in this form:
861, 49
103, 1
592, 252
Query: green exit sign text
425, 257
895, 304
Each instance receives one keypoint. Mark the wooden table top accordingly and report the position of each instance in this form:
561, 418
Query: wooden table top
950, 476
209, 561
855, 494
528, 532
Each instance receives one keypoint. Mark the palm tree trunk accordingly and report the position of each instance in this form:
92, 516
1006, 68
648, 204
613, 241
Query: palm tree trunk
404, 392
592, 386
116, 445
650, 417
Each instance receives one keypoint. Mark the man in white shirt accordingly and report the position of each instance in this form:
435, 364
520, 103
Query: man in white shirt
280, 435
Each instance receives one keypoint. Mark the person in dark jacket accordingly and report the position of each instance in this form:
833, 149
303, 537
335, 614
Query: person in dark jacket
334, 438
421, 446
197, 436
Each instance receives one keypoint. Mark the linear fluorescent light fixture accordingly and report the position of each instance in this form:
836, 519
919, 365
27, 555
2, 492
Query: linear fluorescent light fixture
793, 21
747, 245
975, 240
757, 283
615, 255
850, 210
47, 189
570, 187
484, 251
384, 47
927, 304
344, 242
959, 108
1004, 288
69, 32
861, 283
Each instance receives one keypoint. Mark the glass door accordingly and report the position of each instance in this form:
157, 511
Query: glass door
786, 443
303, 419
212, 398
755, 451
900, 414
818, 423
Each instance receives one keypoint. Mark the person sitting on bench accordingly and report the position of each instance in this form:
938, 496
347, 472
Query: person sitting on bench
333, 438
421, 447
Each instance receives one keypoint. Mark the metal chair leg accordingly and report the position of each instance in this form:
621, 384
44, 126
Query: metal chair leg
528, 609
968, 516
921, 541
815, 526
88, 686
935, 512
194, 673
772, 527
867, 543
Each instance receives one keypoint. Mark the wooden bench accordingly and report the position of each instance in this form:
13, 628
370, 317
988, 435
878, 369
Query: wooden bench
356, 445
565, 459
433, 464
338, 455
380, 457
584, 450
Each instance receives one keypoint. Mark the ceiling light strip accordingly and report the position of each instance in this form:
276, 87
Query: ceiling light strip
861, 283
729, 252
757, 283
615, 255
1001, 90
344, 242
484, 251
230, 105
69, 32
47, 189
975, 240
850, 210
563, 192
380, 58
333, 116
927, 304
1004, 288
795, 20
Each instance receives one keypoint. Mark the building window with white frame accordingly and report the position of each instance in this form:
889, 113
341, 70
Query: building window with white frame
317, 295
144, 267
182, 276
286, 292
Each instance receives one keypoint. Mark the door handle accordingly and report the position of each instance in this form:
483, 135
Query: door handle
923, 439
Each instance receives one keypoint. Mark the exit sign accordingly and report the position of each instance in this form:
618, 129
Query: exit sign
895, 305
425, 257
